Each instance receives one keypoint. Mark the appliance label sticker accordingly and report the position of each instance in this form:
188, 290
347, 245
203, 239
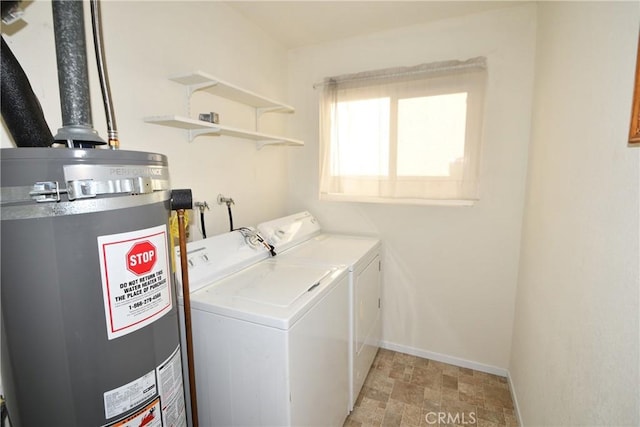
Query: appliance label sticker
123, 399
135, 279
148, 416
169, 375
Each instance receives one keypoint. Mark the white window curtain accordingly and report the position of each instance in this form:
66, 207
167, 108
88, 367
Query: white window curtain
390, 135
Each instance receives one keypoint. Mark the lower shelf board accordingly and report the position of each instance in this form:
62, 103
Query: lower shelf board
199, 127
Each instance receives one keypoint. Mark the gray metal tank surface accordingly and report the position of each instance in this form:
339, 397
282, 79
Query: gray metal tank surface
57, 360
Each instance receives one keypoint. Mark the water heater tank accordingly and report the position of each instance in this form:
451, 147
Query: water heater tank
89, 314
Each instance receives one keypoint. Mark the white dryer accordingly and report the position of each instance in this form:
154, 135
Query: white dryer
270, 338
299, 238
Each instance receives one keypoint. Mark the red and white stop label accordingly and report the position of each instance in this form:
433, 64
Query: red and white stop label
136, 285
141, 257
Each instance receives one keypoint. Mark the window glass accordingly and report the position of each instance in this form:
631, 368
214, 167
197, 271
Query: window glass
360, 145
431, 134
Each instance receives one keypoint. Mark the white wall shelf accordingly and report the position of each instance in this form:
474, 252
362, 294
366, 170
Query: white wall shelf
199, 127
201, 81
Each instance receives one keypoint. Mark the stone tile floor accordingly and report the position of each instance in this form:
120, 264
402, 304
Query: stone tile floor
404, 390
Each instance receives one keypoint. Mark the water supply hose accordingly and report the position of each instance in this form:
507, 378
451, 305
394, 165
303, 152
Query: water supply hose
96, 20
202, 206
204, 231
230, 216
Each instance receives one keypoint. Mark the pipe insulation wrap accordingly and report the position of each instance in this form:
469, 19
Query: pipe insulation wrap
21, 110
181, 199
71, 54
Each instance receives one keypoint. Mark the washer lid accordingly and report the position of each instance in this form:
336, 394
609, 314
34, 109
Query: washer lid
281, 286
269, 293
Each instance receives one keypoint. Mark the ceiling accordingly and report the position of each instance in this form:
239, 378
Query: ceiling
300, 23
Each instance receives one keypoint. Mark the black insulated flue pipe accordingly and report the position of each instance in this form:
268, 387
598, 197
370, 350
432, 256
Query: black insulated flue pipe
73, 77
21, 110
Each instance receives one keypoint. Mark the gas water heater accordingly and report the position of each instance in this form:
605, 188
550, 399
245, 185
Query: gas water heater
89, 315
90, 332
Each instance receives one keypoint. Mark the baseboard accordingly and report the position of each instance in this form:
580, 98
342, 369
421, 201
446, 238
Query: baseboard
516, 407
439, 357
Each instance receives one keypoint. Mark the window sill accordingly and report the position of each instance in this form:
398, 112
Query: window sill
396, 201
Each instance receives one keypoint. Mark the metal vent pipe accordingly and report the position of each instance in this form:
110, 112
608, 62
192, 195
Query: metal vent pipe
73, 77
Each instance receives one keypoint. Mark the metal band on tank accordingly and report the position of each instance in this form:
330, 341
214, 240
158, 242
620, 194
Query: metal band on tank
83, 181
81, 206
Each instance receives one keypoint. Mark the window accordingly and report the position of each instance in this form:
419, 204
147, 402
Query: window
405, 135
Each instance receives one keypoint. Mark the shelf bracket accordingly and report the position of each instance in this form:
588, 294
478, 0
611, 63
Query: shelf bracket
261, 110
194, 133
191, 89
263, 143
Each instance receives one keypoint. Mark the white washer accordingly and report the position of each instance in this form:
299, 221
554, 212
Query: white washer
270, 338
299, 238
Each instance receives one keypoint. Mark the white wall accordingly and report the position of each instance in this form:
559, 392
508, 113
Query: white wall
147, 41
575, 355
449, 272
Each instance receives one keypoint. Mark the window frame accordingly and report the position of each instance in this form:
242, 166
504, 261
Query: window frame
439, 83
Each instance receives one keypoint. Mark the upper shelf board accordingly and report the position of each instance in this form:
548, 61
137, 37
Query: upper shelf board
199, 80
